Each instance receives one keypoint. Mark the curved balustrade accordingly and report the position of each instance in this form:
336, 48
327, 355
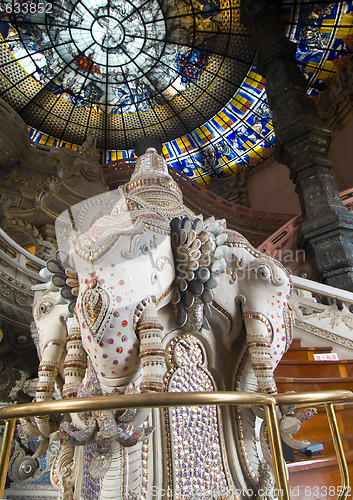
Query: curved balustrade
167, 399
17, 256
286, 236
18, 272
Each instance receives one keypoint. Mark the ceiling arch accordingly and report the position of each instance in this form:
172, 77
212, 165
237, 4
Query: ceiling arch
182, 72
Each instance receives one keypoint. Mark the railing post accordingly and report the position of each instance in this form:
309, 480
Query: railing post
5, 451
341, 459
279, 465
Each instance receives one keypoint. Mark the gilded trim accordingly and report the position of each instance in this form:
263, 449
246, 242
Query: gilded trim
260, 317
57, 342
225, 313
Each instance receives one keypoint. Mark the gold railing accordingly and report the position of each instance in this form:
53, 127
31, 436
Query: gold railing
172, 399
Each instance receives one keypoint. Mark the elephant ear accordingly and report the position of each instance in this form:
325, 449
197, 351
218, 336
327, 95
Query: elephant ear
63, 278
199, 251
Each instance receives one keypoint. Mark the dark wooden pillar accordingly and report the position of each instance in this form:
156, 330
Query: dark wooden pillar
302, 142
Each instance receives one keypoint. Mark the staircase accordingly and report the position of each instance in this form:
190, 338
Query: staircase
317, 477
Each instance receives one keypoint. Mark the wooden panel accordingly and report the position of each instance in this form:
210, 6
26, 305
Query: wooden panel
296, 351
309, 385
314, 369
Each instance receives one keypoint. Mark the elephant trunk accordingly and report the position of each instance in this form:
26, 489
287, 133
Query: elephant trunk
152, 354
259, 344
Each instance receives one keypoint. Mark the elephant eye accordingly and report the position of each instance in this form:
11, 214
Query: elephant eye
264, 271
45, 307
144, 249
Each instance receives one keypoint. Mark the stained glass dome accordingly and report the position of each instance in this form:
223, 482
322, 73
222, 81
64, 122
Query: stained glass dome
180, 71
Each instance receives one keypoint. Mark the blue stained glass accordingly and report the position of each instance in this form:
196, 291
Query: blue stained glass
197, 139
191, 141
234, 108
169, 149
176, 165
216, 125
156, 71
245, 95
252, 89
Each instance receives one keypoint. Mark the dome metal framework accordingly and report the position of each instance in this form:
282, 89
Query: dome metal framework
182, 72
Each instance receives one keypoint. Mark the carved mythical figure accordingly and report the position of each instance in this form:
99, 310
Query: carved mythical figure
161, 300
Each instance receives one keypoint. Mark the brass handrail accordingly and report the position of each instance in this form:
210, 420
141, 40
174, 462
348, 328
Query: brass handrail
173, 399
325, 397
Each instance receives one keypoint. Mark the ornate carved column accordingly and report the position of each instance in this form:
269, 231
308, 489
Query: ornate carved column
302, 142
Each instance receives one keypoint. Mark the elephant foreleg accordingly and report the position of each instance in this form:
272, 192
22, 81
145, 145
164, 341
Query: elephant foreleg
259, 344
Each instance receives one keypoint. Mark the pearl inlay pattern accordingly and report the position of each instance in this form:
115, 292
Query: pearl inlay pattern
198, 461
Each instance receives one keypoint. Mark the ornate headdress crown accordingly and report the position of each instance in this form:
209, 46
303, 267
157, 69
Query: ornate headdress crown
151, 180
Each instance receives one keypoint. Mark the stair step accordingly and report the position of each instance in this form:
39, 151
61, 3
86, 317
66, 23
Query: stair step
285, 384
296, 343
305, 368
297, 351
304, 353
313, 478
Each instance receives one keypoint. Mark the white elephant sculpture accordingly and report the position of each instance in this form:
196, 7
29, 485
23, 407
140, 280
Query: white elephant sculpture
162, 300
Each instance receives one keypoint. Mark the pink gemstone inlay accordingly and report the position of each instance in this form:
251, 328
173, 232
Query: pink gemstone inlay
103, 374
110, 341
124, 338
115, 362
119, 299
105, 356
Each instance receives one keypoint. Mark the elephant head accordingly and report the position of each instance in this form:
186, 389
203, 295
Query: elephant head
51, 329
150, 255
124, 262
260, 288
